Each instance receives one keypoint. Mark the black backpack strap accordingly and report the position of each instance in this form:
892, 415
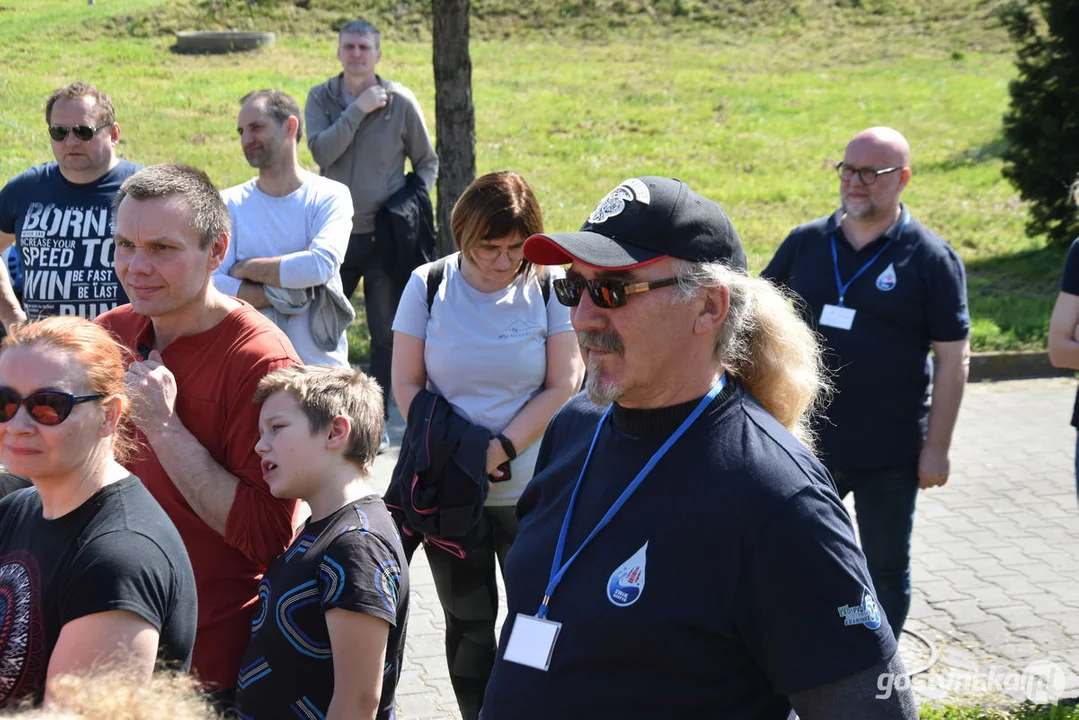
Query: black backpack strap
438, 270
434, 279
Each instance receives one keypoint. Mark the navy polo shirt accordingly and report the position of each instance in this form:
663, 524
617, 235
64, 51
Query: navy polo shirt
1070, 284
913, 294
730, 578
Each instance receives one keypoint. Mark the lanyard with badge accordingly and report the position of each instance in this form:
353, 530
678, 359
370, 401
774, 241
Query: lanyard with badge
840, 316
533, 637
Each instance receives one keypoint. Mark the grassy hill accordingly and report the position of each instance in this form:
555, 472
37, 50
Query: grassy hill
750, 101
958, 23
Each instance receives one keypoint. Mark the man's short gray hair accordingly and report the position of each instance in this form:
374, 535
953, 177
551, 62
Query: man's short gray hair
208, 214
763, 343
359, 26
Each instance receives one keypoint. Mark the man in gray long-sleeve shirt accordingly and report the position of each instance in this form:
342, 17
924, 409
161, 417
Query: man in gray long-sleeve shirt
360, 128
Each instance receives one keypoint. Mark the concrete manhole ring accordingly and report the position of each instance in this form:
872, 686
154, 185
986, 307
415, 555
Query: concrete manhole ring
217, 41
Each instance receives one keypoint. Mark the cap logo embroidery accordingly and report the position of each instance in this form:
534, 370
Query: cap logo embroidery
615, 202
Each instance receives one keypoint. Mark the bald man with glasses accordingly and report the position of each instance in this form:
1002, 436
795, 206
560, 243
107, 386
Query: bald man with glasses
882, 291
59, 215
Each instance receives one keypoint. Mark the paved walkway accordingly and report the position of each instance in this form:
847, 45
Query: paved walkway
996, 561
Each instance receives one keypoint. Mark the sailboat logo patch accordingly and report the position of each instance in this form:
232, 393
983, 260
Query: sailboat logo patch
626, 584
886, 280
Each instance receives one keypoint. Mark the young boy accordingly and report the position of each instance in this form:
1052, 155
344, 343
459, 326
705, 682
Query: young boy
329, 633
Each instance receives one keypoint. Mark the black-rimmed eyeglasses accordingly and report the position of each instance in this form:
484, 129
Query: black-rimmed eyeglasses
82, 132
868, 176
46, 407
606, 293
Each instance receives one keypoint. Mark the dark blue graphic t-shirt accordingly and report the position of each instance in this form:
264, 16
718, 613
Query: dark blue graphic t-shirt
63, 235
351, 560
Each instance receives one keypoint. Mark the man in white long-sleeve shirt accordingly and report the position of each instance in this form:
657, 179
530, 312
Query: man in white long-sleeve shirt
290, 227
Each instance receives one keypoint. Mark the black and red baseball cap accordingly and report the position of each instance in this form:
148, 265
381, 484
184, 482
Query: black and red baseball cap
643, 220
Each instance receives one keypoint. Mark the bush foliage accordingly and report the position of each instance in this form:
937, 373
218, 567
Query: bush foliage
1042, 124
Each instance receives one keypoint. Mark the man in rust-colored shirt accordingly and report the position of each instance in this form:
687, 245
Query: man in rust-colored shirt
200, 355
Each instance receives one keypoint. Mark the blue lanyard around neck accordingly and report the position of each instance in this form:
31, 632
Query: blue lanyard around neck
558, 570
835, 260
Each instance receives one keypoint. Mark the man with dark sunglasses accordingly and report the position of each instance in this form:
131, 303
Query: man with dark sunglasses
882, 290
681, 553
59, 215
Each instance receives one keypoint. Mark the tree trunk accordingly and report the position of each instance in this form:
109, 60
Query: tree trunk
455, 117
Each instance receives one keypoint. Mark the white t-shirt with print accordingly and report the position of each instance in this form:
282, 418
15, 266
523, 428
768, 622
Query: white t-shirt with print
486, 353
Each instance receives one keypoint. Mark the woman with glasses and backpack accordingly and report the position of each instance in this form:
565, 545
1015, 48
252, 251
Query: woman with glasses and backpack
91, 568
480, 329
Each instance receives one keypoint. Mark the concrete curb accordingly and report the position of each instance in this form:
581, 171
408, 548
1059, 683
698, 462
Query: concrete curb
1013, 366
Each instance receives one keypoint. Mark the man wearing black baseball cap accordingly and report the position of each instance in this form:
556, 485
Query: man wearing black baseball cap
681, 552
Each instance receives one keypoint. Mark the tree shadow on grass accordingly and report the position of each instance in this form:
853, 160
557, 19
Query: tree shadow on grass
988, 152
1034, 272
1011, 298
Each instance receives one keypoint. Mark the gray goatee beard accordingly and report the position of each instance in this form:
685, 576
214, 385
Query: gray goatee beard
601, 393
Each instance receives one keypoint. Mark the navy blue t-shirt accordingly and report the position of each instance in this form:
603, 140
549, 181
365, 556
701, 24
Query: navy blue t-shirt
730, 578
1070, 284
913, 294
64, 238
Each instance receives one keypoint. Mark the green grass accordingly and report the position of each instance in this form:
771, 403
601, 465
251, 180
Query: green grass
748, 102
1024, 712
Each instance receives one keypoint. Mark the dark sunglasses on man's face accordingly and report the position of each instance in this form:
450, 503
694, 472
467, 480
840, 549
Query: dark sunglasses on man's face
46, 407
82, 132
605, 292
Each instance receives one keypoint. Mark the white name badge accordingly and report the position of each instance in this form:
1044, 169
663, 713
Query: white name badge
837, 317
532, 641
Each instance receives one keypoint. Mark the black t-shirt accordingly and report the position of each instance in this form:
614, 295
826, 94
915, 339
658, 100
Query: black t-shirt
351, 560
64, 238
116, 551
730, 578
1069, 283
912, 295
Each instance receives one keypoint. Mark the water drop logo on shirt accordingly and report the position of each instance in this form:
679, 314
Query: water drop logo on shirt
626, 584
886, 280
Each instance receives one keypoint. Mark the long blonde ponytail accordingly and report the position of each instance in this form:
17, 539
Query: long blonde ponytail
765, 345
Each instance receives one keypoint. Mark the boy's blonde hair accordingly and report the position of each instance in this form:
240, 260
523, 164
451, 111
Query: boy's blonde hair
116, 691
326, 392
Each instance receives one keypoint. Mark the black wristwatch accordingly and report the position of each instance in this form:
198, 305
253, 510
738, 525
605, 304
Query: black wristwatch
507, 446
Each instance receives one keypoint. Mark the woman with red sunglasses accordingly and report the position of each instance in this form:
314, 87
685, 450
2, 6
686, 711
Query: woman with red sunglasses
91, 568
